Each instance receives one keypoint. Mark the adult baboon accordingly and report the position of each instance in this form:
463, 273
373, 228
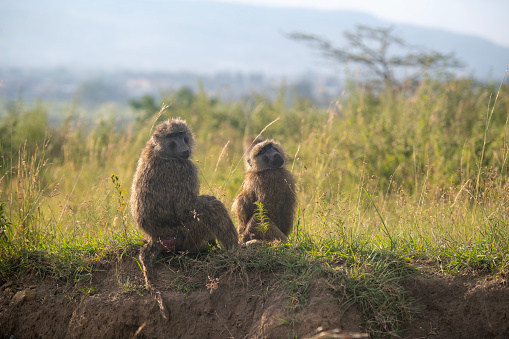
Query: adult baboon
267, 182
165, 203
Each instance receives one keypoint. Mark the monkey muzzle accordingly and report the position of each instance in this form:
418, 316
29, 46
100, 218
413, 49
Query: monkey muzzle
184, 154
277, 161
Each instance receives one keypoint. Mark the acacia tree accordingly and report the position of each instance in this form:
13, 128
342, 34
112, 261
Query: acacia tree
375, 49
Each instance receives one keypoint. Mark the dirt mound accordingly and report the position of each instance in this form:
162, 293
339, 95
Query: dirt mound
253, 306
460, 307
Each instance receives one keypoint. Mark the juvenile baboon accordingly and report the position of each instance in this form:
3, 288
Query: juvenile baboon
268, 182
165, 203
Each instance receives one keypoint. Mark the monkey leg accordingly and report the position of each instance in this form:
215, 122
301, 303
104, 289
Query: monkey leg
253, 231
210, 222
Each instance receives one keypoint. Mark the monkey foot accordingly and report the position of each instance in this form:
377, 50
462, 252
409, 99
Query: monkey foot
254, 242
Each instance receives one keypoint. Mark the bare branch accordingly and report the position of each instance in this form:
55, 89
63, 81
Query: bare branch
369, 47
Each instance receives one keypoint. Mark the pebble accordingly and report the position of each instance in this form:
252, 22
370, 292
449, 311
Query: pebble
23, 296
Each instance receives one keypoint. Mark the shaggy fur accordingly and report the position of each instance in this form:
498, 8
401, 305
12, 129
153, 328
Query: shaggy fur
250, 142
267, 181
165, 200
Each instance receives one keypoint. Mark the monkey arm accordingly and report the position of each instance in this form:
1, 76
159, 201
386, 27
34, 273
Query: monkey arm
244, 208
287, 204
285, 214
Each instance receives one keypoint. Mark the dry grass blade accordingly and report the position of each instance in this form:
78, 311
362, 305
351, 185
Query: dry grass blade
223, 151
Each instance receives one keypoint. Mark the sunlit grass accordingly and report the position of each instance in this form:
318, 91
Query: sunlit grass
383, 182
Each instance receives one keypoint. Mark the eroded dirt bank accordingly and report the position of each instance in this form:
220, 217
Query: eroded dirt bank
252, 306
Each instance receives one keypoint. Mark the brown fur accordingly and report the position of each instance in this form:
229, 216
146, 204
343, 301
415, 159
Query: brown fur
165, 203
271, 184
250, 142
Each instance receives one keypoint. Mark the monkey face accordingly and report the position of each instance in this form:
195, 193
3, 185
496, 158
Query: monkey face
267, 155
271, 156
173, 139
176, 145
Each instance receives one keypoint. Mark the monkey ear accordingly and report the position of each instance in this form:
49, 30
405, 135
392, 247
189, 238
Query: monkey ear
249, 162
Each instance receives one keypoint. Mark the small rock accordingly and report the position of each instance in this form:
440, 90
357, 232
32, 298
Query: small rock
22, 296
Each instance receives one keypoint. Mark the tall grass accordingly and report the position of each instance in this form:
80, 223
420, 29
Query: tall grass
380, 179
427, 170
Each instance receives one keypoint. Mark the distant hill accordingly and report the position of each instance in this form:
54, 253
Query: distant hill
201, 37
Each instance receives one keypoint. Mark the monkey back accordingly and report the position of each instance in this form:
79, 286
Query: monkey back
162, 192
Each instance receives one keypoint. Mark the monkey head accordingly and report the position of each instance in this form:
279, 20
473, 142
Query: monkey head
267, 154
251, 141
173, 139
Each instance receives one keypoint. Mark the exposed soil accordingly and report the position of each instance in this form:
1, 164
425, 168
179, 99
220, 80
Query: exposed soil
249, 307
459, 307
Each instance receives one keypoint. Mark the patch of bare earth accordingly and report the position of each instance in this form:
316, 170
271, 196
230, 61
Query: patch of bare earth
255, 305
459, 307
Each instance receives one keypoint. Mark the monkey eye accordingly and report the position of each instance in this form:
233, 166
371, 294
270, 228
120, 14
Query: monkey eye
265, 149
186, 140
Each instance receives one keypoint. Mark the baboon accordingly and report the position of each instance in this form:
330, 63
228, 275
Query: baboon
165, 200
267, 182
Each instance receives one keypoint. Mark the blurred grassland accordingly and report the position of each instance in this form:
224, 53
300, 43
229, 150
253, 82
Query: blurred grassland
422, 175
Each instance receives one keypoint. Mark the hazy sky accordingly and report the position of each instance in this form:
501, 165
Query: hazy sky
488, 19
210, 36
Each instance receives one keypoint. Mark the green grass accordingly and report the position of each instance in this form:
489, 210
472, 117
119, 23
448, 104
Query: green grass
384, 182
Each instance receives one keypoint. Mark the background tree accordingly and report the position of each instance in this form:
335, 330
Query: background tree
389, 59
146, 107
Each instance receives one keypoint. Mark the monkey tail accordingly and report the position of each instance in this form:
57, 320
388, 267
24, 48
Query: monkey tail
159, 299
